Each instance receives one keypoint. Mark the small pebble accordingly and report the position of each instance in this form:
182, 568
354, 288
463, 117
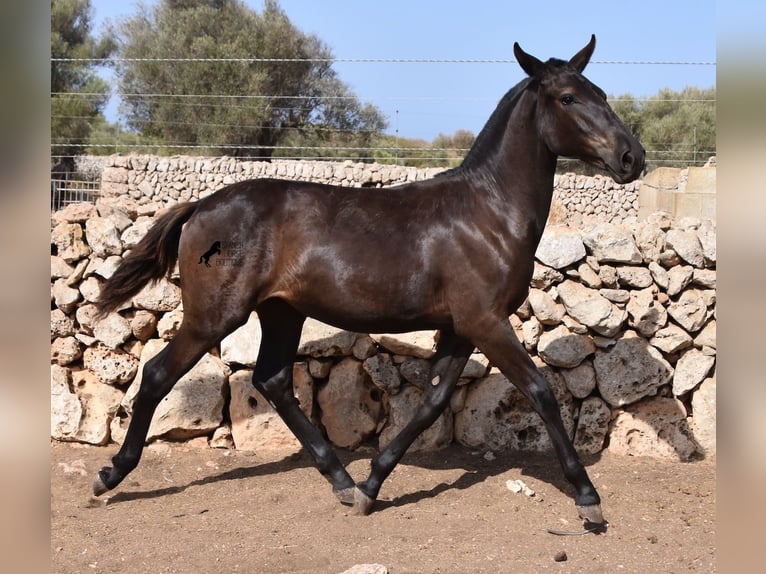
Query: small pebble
560, 556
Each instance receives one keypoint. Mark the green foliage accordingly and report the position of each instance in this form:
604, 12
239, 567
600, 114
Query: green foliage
78, 94
243, 107
677, 129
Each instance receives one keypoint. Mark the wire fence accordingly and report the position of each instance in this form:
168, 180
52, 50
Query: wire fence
66, 191
393, 149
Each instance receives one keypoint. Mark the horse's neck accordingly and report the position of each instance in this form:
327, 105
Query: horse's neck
523, 170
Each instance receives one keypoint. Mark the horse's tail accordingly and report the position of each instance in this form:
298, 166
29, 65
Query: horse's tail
153, 258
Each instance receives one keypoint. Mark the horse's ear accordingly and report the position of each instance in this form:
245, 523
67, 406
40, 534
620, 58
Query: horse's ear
581, 58
528, 63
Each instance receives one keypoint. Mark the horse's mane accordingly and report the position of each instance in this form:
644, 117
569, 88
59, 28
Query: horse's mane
488, 139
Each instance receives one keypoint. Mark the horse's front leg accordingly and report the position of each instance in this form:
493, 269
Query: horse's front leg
452, 353
494, 336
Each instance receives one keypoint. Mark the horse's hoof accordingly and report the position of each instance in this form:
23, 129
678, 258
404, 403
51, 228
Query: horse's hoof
362, 502
99, 487
592, 514
345, 495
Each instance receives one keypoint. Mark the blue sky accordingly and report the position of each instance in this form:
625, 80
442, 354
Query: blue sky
423, 100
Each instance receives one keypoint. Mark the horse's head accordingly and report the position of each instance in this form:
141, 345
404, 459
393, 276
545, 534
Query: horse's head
574, 118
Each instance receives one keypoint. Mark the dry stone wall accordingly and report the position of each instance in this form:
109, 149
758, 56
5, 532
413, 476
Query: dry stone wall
620, 318
153, 181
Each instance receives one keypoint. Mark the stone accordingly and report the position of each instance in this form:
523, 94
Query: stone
415, 371
531, 331
68, 239
588, 276
383, 373
560, 246
634, 277
707, 336
65, 350
143, 324
66, 409
90, 289
496, 416
650, 240
580, 380
161, 295
113, 330
476, 367
592, 426
630, 370
671, 339
350, 405
65, 297
255, 425
241, 347
544, 277
61, 325
194, 407
364, 347
705, 278
562, 348
108, 267
659, 274
707, 238
321, 340
111, 366
99, 406
366, 569
611, 243
419, 344
591, 309
645, 314
687, 245
103, 236
75, 213
655, 427
136, 232
690, 310
547, 311
402, 408
60, 269
703, 422
691, 370
169, 323
679, 277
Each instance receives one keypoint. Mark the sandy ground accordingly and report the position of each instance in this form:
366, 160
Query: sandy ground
188, 510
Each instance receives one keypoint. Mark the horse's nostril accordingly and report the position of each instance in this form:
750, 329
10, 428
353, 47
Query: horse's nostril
627, 160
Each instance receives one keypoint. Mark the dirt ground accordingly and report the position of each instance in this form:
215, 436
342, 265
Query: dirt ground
199, 510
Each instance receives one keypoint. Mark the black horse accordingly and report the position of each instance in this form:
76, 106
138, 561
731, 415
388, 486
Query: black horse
384, 261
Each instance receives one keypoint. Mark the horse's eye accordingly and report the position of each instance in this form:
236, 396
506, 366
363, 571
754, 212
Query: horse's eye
567, 99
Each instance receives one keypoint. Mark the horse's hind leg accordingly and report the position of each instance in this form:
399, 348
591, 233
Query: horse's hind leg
452, 353
159, 376
495, 338
281, 326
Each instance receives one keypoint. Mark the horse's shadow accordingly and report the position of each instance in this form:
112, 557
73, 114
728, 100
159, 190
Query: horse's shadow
475, 469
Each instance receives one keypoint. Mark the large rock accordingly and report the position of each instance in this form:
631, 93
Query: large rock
255, 425
321, 340
690, 311
591, 309
103, 236
496, 416
112, 366
580, 380
66, 409
687, 245
592, 426
691, 370
64, 296
630, 370
414, 344
646, 314
655, 427
402, 408
113, 330
241, 347
547, 311
99, 406
560, 246
69, 241
350, 405
161, 295
194, 407
562, 348
612, 243
704, 419
671, 339
65, 350
383, 373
